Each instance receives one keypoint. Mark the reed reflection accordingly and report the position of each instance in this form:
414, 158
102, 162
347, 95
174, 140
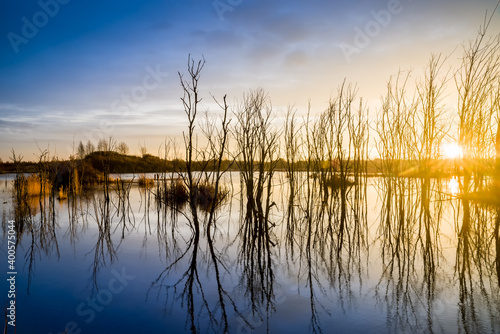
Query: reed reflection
34, 212
104, 249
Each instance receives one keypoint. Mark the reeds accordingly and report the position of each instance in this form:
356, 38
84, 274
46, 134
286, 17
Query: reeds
37, 186
204, 194
31, 186
178, 192
207, 195
145, 182
63, 193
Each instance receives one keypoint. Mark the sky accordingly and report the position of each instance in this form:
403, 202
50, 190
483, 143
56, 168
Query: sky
73, 70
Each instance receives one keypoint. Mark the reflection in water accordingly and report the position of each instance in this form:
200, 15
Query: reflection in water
496, 236
428, 262
104, 248
398, 236
414, 283
454, 186
35, 218
476, 268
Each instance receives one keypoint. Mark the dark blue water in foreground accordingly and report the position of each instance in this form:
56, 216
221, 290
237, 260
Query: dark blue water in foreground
371, 266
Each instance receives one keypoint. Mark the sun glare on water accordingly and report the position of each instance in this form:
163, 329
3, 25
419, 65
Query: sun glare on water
454, 186
452, 151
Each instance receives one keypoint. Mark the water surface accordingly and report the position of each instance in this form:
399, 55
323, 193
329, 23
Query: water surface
385, 256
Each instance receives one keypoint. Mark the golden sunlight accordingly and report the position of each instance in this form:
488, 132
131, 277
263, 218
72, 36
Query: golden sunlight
452, 151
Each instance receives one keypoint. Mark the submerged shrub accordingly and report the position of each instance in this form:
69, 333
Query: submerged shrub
145, 181
205, 195
179, 191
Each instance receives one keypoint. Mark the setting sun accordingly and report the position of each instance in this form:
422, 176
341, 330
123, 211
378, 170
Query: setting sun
452, 151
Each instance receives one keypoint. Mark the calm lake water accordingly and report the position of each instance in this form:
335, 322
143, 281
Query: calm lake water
386, 256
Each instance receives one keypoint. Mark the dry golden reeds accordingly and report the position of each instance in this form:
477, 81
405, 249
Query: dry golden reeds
35, 187
63, 193
145, 181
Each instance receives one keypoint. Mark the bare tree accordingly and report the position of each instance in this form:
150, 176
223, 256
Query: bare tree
80, 151
122, 148
427, 124
89, 148
143, 149
191, 100
102, 145
217, 139
292, 149
476, 80
393, 126
257, 146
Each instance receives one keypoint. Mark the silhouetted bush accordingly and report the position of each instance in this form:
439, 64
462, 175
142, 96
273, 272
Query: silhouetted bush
145, 181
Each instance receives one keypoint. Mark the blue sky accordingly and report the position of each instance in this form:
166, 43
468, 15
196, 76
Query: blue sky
68, 80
